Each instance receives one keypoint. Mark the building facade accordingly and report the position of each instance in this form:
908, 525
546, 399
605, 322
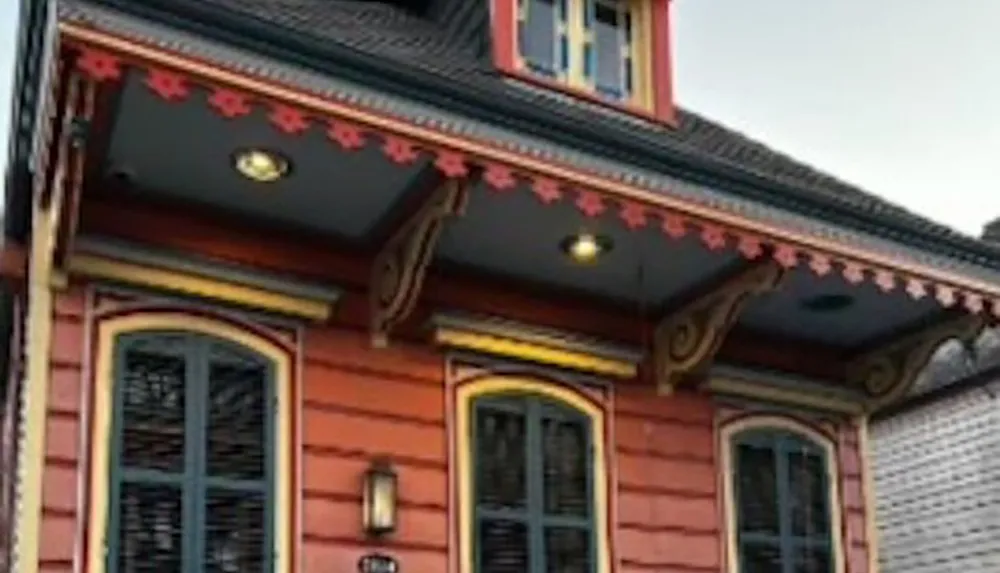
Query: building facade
325, 285
935, 466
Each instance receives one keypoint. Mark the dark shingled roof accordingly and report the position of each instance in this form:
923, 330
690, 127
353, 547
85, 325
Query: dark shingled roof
448, 40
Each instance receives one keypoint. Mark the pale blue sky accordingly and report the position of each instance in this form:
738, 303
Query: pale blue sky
899, 96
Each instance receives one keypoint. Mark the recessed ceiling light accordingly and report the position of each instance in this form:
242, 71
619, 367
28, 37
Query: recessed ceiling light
831, 302
585, 248
261, 165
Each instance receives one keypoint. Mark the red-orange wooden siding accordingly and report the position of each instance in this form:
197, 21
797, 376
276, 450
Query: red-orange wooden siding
358, 402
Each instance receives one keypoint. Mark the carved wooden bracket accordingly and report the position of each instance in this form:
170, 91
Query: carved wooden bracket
398, 273
888, 373
687, 339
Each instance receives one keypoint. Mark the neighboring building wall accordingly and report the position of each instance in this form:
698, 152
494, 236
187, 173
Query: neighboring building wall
937, 486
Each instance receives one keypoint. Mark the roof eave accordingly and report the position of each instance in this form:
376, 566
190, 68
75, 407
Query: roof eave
978, 381
264, 38
28, 58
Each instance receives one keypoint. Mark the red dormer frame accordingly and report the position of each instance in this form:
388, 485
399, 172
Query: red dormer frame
662, 109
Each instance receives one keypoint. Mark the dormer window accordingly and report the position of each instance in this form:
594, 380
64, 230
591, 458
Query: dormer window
612, 51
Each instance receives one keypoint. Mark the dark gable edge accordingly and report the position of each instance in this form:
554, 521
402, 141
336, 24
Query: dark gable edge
517, 109
979, 380
28, 54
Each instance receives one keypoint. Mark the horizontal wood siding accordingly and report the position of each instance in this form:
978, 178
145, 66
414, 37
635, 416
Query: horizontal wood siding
852, 498
668, 514
61, 532
359, 403
937, 485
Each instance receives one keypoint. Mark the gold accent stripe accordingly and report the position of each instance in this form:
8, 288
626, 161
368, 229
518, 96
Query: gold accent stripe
489, 152
198, 286
538, 353
28, 512
783, 396
868, 486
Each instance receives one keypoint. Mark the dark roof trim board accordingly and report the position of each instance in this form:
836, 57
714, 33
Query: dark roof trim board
978, 381
29, 59
862, 213
170, 40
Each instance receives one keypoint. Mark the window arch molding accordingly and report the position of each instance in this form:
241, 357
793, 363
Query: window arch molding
111, 328
730, 432
466, 392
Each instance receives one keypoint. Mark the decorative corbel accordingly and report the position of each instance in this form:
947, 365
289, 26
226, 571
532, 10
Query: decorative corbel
688, 338
400, 266
887, 374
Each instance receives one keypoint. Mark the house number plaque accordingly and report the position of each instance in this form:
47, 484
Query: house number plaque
377, 563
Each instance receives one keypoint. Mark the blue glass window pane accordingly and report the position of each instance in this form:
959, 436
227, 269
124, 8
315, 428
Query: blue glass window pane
608, 44
538, 36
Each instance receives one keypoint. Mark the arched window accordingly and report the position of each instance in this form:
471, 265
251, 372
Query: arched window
534, 498
191, 465
782, 501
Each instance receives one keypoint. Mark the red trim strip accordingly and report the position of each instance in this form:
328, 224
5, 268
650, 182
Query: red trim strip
662, 62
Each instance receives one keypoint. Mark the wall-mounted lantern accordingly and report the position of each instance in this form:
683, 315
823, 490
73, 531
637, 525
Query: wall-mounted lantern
379, 499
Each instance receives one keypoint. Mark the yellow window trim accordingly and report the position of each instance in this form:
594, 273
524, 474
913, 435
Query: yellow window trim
868, 488
34, 405
195, 285
534, 352
576, 36
465, 395
730, 431
108, 333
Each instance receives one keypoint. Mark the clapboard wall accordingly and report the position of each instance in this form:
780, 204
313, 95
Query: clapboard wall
937, 485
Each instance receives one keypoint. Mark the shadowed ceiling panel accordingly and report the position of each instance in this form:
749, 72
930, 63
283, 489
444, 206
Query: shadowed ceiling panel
184, 150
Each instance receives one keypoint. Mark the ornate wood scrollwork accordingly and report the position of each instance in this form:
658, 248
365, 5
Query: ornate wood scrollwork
888, 373
687, 339
398, 273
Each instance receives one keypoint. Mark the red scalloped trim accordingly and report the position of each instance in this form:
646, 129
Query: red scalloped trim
750, 246
547, 190
399, 150
499, 177
820, 264
674, 226
99, 66
229, 104
916, 289
170, 86
633, 214
348, 136
290, 120
786, 256
946, 296
452, 164
713, 236
973, 303
590, 203
885, 280
854, 273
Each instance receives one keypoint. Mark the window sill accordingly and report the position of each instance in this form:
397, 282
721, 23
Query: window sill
665, 117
